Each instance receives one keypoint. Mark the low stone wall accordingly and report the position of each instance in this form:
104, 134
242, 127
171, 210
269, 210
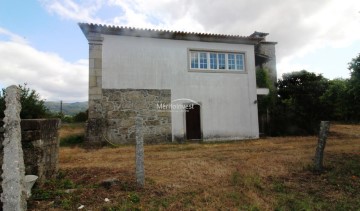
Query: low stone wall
120, 107
40, 143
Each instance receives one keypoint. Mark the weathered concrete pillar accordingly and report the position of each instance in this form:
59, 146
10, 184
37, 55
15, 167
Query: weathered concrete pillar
140, 172
95, 123
14, 194
324, 130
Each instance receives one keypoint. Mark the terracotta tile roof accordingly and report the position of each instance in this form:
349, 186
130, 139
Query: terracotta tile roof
90, 28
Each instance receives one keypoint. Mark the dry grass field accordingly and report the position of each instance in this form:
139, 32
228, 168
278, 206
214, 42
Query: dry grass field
67, 130
264, 174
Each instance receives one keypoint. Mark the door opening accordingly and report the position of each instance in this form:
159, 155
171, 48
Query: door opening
193, 127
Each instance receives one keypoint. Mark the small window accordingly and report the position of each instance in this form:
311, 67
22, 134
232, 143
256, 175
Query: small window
222, 63
239, 61
213, 61
194, 60
217, 61
231, 61
203, 60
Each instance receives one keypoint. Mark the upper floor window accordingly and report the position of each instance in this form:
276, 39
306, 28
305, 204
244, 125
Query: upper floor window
204, 60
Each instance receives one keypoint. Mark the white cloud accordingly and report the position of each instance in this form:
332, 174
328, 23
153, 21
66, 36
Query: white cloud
160, 14
286, 65
69, 9
300, 27
11, 36
50, 75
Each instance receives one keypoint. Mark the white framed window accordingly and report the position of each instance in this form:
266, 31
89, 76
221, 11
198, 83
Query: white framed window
203, 60
213, 61
194, 60
222, 61
217, 61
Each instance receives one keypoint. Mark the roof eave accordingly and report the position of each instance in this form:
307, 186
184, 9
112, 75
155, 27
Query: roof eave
91, 29
268, 42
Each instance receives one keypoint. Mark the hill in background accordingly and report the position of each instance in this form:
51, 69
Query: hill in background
67, 108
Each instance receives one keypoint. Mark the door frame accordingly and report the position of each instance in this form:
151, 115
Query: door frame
201, 122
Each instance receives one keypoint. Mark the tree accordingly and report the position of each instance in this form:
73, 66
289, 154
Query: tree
265, 102
82, 116
262, 78
354, 88
32, 107
263, 81
299, 108
335, 99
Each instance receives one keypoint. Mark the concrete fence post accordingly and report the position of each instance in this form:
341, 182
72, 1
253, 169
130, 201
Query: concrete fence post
140, 172
324, 130
14, 194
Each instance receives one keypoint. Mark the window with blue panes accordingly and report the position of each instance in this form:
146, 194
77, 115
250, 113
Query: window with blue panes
203, 60
194, 60
213, 61
222, 61
239, 61
231, 61
217, 61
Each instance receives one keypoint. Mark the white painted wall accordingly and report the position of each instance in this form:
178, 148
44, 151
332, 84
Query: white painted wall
228, 110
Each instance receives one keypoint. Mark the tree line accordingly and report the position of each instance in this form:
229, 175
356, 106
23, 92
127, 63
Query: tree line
301, 99
33, 107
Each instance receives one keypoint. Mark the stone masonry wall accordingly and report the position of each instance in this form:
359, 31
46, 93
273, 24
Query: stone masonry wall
121, 107
40, 143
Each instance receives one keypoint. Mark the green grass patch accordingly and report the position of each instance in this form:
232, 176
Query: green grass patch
337, 188
247, 181
73, 140
131, 202
235, 178
56, 190
278, 187
294, 201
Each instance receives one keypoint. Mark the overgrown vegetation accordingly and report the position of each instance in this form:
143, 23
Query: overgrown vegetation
298, 109
73, 140
302, 99
82, 116
32, 107
61, 191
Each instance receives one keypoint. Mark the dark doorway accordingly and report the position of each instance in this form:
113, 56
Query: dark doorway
193, 128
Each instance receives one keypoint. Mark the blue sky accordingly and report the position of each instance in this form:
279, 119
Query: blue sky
43, 30
42, 45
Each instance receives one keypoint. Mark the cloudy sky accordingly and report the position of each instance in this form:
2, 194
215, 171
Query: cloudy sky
42, 45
